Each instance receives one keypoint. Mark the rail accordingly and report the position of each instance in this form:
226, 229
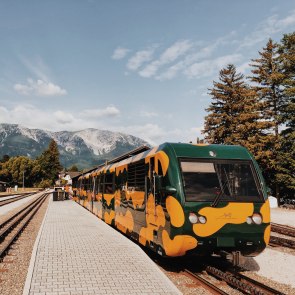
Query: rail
205, 283
287, 231
242, 283
12, 227
283, 229
17, 198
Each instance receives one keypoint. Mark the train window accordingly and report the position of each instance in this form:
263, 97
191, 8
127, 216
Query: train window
109, 183
136, 175
160, 170
232, 180
96, 188
101, 180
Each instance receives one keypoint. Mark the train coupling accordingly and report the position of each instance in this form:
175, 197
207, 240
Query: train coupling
234, 257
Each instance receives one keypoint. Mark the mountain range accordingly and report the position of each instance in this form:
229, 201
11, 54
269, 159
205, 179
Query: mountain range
85, 148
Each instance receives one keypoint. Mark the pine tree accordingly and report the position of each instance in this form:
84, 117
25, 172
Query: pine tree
219, 123
49, 162
234, 116
267, 73
286, 170
268, 78
73, 168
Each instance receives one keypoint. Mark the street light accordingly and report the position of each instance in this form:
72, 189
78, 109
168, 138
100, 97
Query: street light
24, 180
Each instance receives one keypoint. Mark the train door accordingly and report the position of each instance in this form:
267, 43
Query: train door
99, 194
136, 191
108, 197
154, 212
93, 191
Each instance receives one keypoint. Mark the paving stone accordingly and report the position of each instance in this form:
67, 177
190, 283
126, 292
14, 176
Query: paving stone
78, 254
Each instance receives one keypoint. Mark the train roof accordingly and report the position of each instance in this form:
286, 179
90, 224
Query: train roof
129, 154
207, 150
184, 150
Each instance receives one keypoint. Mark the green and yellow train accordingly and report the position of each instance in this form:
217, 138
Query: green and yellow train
180, 199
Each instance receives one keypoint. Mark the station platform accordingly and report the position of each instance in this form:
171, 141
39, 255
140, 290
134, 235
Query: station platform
76, 253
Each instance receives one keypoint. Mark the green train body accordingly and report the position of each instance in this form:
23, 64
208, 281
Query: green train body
180, 199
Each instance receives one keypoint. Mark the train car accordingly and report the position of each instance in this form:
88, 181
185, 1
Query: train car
180, 199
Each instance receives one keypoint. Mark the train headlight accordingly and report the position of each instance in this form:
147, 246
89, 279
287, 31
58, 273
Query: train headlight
257, 219
202, 219
193, 218
249, 220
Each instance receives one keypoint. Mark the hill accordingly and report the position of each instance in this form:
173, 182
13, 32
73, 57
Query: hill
84, 148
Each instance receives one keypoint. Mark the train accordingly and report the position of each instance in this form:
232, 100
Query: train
181, 199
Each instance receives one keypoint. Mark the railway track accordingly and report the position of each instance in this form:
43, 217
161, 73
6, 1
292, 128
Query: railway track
287, 231
235, 280
204, 282
11, 228
11, 200
283, 229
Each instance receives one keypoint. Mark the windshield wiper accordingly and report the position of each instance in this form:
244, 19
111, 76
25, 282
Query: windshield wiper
220, 194
222, 186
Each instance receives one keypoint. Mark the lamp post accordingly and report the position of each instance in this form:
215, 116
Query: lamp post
24, 180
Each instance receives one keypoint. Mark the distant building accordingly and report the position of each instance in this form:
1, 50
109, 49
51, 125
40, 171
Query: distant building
67, 177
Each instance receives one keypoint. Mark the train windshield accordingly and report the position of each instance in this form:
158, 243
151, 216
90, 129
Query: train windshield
225, 180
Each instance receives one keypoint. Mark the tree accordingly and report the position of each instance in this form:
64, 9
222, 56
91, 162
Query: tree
219, 122
74, 168
5, 158
46, 183
267, 73
49, 162
286, 170
18, 170
268, 79
234, 116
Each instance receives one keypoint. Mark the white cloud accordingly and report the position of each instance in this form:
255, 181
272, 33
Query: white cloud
140, 58
178, 57
148, 114
209, 67
55, 120
176, 50
29, 116
243, 68
171, 54
120, 53
287, 21
63, 117
110, 111
150, 70
171, 72
39, 88
152, 133
37, 67
267, 28
155, 135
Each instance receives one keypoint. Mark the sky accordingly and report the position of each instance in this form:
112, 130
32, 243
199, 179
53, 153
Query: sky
138, 67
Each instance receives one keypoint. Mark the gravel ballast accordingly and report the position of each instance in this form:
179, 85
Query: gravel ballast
16, 265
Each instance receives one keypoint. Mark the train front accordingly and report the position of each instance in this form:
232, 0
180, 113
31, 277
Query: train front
224, 200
